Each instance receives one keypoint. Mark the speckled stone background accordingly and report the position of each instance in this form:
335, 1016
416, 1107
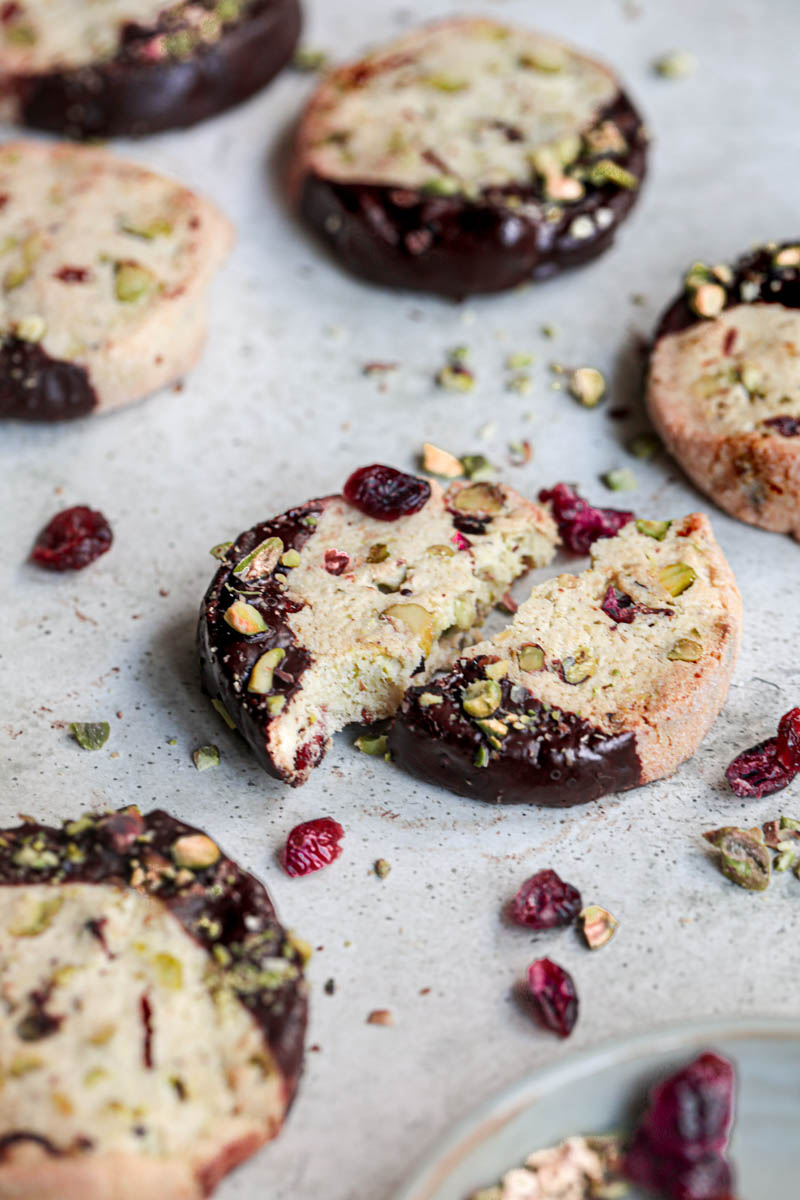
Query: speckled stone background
278, 411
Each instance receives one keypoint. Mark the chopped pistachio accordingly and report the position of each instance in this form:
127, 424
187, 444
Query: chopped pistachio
30, 329
653, 529
587, 385
675, 65
480, 497
223, 712
382, 868
686, 650
677, 578
481, 698
261, 561
598, 926
744, 859
220, 550
441, 462
482, 756
205, 757
157, 227
549, 331
261, 677
520, 360
549, 59
608, 171
290, 559
375, 746
464, 612
275, 705
90, 735
308, 61
578, 667
708, 300
169, 971
499, 669
132, 281
244, 618
644, 445
40, 919
455, 378
530, 657
521, 383
441, 185
429, 700
35, 859
476, 467
446, 83
620, 480
416, 619
195, 851
440, 550
378, 553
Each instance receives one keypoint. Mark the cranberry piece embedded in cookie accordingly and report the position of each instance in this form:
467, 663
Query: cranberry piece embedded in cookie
785, 426
619, 606
579, 524
384, 493
788, 748
554, 996
545, 901
311, 846
72, 539
759, 772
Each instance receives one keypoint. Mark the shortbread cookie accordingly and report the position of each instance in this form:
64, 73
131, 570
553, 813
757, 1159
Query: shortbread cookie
724, 385
130, 67
153, 1015
104, 268
468, 157
603, 681
322, 616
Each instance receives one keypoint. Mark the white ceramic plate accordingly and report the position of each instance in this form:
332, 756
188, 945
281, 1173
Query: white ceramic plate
595, 1091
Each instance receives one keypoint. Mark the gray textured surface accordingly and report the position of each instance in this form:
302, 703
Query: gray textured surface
279, 411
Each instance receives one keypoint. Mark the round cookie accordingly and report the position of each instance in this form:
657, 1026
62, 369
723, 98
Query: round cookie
323, 616
468, 157
125, 68
154, 1011
603, 681
724, 385
104, 268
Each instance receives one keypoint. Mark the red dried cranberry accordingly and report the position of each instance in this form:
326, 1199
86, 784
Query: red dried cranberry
554, 996
384, 493
73, 274
311, 846
788, 749
72, 539
579, 524
758, 771
545, 901
785, 426
679, 1146
619, 606
336, 562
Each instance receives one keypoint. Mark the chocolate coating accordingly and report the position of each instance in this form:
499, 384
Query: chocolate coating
227, 657
555, 760
36, 387
776, 285
455, 246
127, 96
220, 905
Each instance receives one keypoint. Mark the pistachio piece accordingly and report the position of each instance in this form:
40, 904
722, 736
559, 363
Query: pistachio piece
30, 329
654, 529
530, 657
440, 551
587, 385
482, 756
708, 300
578, 667
220, 550
454, 377
686, 650
375, 746
620, 480
381, 868
416, 619
205, 757
675, 65
677, 578
644, 445
440, 462
169, 971
480, 498
223, 712
429, 700
275, 705
549, 59
608, 171
90, 735
261, 676
464, 612
481, 698
520, 360
598, 926
261, 561
291, 558
132, 281
787, 256
744, 859
195, 851
476, 467
244, 618
379, 552
493, 728
40, 919
156, 227
497, 670
307, 60
35, 859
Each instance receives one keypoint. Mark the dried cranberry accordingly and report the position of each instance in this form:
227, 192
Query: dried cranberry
679, 1146
384, 493
545, 901
72, 539
311, 846
579, 524
554, 996
788, 749
619, 606
336, 562
785, 426
758, 771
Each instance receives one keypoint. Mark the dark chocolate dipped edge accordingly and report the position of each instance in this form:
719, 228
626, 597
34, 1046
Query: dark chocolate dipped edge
228, 657
764, 283
456, 246
224, 908
36, 387
129, 96
556, 759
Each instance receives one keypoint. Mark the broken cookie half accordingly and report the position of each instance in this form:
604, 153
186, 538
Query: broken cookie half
324, 615
104, 269
153, 1016
603, 680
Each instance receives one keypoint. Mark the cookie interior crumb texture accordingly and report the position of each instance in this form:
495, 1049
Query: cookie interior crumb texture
359, 609
603, 680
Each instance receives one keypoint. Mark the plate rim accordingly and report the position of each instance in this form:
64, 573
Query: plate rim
441, 1157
